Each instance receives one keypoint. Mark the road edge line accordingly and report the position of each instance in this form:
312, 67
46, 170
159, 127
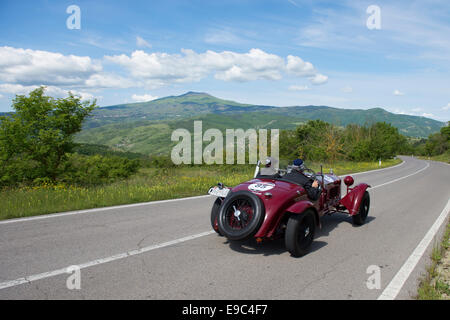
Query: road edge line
401, 178
122, 206
375, 170
396, 284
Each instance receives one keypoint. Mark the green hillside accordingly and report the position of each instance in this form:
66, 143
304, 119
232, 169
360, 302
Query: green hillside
146, 127
185, 106
153, 137
408, 125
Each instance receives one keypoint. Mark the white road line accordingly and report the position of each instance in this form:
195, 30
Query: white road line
376, 170
401, 178
396, 284
119, 256
63, 214
54, 215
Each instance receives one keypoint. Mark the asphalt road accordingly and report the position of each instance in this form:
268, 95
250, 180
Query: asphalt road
129, 253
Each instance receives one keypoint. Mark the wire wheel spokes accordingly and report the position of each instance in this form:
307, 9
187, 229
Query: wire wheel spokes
239, 214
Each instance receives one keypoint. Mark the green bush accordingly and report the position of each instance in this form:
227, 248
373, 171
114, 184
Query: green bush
160, 162
320, 141
94, 149
94, 170
35, 140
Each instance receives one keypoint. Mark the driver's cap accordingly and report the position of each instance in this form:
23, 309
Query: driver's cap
298, 162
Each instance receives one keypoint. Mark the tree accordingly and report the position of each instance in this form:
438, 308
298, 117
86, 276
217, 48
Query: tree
311, 140
333, 143
445, 131
385, 141
35, 139
288, 145
320, 141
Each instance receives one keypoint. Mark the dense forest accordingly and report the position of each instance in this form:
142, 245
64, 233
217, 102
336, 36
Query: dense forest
321, 141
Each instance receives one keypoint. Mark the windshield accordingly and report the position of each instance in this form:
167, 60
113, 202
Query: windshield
271, 167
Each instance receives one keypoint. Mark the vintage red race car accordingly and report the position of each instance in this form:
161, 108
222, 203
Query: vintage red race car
272, 205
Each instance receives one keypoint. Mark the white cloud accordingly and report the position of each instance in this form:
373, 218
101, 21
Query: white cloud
24, 69
141, 42
447, 107
298, 88
254, 65
103, 80
28, 67
162, 68
411, 24
416, 110
143, 98
298, 67
224, 36
399, 111
294, 3
397, 93
158, 69
319, 79
347, 89
53, 91
36, 67
16, 88
427, 115
1, 96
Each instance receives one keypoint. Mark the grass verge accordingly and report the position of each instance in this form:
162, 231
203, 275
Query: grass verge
445, 157
148, 185
435, 285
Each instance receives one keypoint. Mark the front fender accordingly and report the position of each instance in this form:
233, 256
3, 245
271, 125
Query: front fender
352, 200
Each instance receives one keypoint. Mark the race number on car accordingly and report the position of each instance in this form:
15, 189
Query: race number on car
261, 186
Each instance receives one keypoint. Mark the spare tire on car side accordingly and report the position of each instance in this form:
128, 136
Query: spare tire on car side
240, 215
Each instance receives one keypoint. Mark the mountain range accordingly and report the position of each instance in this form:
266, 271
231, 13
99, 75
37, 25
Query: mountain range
146, 127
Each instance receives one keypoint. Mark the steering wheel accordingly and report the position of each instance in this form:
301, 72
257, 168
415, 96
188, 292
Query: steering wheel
313, 174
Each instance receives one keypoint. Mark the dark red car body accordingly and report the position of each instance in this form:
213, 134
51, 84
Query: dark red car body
283, 199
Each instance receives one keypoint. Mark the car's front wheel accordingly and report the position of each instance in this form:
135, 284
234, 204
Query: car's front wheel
300, 232
363, 211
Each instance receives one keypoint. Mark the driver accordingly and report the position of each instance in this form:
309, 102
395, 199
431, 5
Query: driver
297, 175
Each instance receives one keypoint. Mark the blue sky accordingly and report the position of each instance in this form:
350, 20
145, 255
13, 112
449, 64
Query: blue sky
285, 52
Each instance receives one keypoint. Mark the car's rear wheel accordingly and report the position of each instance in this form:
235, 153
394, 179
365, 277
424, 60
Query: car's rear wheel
240, 215
215, 214
300, 232
363, 211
